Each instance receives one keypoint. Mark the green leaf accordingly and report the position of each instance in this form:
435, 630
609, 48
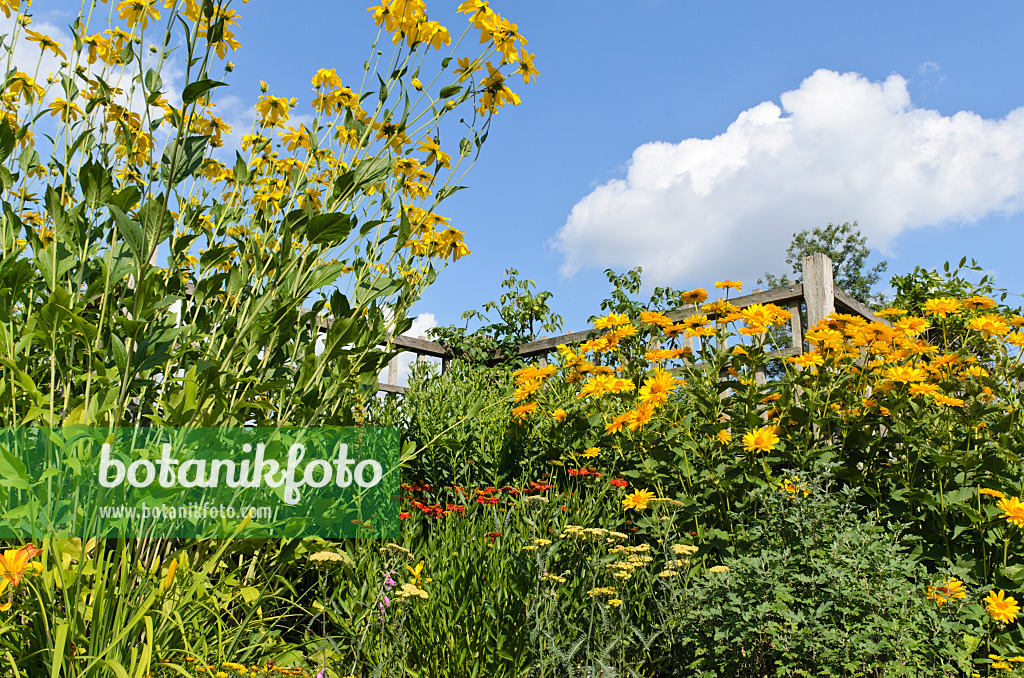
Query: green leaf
447, 191
58, 650
120, 352
55, 208
449, 91
194, 90
6, 141
97, 184
127, 198
131, 232
182, 159
153, 81
329, 229
241, 170
12, 471
157, 223
216, 33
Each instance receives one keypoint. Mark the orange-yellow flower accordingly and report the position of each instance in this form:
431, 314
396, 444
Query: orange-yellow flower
941, 306
637, 500
654, 318
618, 423
992, 493
1013, 510
763, 439
978, 303
949, 402
612, 320
911, 326
905, 374
989, 325
656, 388
887, 312
697, 296
729, 284
1001, 607
138, 11
951, 588
522, 412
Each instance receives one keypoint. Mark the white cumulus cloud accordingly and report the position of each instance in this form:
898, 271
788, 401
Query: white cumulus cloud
839, 148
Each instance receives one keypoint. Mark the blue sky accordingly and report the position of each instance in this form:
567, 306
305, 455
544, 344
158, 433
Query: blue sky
646, 138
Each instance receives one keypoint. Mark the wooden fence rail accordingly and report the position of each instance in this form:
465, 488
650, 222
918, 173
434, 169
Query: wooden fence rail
817, 293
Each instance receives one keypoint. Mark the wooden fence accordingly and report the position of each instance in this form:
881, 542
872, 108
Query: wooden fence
817, 293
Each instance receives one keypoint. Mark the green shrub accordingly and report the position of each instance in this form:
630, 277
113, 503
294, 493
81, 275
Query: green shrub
818, 589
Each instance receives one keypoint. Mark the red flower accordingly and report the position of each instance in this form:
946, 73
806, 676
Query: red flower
514, 491
491, 536
618, 482
434, 511
539, 487
458, 508
489, 501
577, 471
404, 514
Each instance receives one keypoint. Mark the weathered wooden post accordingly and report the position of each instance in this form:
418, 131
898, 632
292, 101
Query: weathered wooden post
795, 326
393, 372
819, 288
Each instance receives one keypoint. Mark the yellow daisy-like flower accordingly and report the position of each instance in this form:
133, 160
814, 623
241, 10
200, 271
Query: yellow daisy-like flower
724, 437
944, 400
763, 439
697, 296
889, 312
1013, 510
729, 284
951, 588
522, 412
992, 493
657, 388
941, 306
611, 320
637, 500
590, 453
1001, 607
905, 374
979, 303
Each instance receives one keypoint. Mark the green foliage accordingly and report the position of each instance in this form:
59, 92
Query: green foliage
915, 288
459, 424
817, 588
849, 252
521, 313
